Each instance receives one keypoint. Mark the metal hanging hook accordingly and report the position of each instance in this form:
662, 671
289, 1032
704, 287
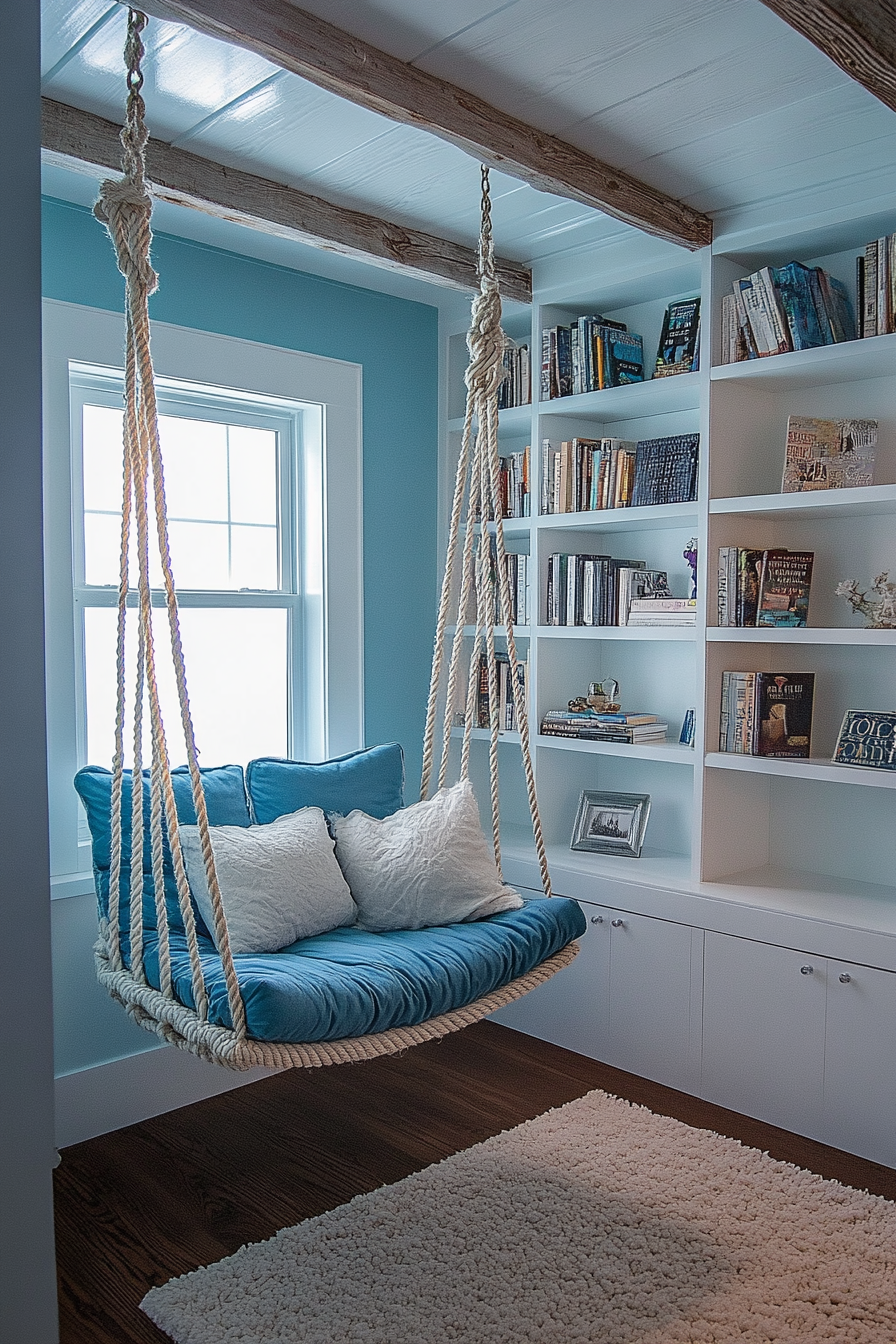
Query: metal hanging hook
486, 241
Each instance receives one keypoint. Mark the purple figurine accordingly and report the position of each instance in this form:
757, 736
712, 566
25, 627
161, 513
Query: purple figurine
690, 554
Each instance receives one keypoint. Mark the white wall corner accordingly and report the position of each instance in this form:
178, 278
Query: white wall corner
98, 1100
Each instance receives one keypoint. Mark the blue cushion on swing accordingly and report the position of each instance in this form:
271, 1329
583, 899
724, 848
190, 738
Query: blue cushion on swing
350, 983
370, 780
225, 799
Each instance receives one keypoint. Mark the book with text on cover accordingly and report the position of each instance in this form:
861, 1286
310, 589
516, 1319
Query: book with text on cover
783, 713
867, 738
828, 454
784, 584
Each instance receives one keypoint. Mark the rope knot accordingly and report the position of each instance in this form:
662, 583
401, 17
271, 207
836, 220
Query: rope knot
485, 342
125, 208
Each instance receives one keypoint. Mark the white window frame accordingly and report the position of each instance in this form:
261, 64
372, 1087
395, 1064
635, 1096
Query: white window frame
75, 337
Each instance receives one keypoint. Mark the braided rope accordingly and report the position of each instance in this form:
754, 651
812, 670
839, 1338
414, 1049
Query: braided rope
125, 207
478, 472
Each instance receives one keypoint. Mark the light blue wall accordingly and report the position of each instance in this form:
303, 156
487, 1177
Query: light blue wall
396, 341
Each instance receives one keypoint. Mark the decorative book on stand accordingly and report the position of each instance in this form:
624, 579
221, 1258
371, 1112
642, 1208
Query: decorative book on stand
867, 738
784, 583
828, 454
679, 347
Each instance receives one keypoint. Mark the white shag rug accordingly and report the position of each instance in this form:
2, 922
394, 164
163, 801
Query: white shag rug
597, 1222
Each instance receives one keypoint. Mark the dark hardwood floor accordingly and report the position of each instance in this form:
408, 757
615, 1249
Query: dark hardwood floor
136, 1207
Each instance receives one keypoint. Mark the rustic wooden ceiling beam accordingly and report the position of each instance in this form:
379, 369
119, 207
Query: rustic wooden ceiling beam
857, 35
343, 64
80, 140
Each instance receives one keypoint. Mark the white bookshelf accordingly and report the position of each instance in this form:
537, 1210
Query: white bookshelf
782, 854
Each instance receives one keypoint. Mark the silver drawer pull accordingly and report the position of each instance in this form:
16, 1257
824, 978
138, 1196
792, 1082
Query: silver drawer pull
618, 923
597, 919
845, 979
805, 970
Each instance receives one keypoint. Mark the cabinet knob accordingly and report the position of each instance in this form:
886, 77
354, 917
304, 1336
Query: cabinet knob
618, 923
805, 970
597, 919
845, 979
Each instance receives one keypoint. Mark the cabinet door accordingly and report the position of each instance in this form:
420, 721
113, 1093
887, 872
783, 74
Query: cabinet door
860, 1062
570, 1009
654, 1011
763, 1031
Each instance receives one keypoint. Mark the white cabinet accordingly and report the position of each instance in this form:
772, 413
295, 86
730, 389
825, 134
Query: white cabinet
801, 1041
860, 1061
571, 1008
763, 1031
655, 984
631, 997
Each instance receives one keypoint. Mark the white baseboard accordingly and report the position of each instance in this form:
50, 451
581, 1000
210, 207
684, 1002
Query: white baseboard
125, 1091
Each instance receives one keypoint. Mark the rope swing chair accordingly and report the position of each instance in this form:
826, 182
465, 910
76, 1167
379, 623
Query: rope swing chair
153, 953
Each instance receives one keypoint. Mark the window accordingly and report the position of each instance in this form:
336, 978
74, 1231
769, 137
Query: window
262, 474
243, 487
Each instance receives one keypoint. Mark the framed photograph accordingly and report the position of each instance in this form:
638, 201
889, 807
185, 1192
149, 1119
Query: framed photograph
611, 823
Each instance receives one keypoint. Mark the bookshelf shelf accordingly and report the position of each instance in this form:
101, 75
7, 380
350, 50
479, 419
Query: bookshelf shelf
638, 633
881, 639
483, 735
815, 504
847, 362
512, 417
667, 751
647, 517
812, 769
657, 396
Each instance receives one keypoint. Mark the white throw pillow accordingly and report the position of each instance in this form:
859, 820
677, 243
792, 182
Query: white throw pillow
279, 882
424, 865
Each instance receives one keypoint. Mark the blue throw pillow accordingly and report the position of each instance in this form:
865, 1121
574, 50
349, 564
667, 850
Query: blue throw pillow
225, 798
371, 780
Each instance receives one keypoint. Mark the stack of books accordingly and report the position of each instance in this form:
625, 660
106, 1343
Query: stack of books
585, 474
766, 713
516, 389
662, 611
666, 470
590, 354
507, 720
679, 347
595, 589
594, 727
781, 308
764, 587
876, 287
515, 484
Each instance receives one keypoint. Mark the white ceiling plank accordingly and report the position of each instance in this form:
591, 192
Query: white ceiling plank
187, 76
289, 125
407, 30
819, 129
65, 24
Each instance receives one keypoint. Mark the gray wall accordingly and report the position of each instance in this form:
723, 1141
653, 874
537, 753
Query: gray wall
27, 1273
